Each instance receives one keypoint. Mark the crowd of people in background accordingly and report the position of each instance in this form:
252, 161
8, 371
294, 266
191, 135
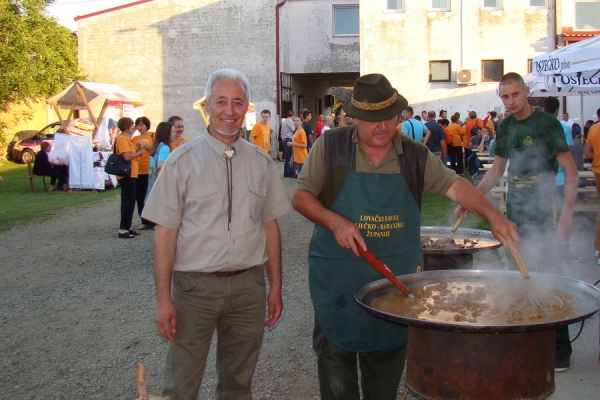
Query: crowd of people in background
455, 141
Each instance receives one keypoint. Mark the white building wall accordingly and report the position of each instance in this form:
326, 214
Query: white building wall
307, 41
579, 109
401, 44
165, 50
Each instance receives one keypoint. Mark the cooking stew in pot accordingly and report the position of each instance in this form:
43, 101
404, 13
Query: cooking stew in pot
479, 303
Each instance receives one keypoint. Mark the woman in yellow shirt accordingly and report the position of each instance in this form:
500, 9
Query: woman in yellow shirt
299, 142
126, 149
145, 140
179, 127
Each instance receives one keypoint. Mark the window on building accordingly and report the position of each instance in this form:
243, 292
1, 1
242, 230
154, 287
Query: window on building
491, 4
439, 5
529, 65
492, 70
345, 21
587, 15
395, 5
286, 87
538, 3
439, 71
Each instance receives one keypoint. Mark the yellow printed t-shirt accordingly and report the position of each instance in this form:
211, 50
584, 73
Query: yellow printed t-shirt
262, 136
490, 125
300, 153
593, 139
180, 141
124, 145
144, 159
456, 133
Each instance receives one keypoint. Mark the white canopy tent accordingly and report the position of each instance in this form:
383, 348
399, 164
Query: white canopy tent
572, 70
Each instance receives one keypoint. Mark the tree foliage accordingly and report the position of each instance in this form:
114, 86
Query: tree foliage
38, 56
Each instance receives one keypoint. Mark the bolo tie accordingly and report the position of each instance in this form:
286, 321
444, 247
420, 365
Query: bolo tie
228, 155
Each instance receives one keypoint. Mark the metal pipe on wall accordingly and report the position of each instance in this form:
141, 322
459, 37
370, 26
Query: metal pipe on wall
277, 56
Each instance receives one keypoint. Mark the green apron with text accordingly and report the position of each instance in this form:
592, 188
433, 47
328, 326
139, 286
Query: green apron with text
533, 201
388, 217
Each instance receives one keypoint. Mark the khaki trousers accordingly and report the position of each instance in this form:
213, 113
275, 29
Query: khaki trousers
235, 306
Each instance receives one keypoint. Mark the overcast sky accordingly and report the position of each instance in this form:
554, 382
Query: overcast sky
66, 10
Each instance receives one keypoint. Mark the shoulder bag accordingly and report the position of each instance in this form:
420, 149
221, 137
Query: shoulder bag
116, 165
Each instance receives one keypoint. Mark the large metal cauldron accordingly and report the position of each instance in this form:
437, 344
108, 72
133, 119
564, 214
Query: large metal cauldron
448, 360
436, 259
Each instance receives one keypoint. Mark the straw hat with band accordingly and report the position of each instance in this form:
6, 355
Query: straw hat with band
374, 99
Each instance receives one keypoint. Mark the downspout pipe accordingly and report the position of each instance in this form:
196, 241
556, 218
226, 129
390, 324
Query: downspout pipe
278, 56
555, 24
462, 39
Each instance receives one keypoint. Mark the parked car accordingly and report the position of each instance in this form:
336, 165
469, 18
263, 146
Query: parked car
26, 144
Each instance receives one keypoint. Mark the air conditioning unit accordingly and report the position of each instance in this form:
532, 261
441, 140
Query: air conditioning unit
467, 76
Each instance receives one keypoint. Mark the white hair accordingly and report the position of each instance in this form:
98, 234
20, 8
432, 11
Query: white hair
227, 73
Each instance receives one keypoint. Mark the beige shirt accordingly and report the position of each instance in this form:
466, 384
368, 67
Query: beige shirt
438, 178
191, 195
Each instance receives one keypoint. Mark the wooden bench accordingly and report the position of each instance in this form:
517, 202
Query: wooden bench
33, 177
587, 206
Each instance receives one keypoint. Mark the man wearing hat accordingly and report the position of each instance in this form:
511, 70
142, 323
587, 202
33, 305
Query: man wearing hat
364, 183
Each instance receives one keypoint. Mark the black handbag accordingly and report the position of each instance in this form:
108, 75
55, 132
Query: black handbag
116, 165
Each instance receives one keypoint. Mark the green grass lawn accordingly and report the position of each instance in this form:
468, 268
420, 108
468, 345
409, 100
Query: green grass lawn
19, 205
438, 210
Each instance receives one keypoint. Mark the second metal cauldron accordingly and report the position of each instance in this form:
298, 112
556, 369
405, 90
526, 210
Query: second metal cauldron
436, 259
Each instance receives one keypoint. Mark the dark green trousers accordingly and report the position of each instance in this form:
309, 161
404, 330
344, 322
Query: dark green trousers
380, 371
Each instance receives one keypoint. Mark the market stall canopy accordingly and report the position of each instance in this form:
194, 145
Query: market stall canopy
200, 105
542, 86
93, 97
95, 94
575, 67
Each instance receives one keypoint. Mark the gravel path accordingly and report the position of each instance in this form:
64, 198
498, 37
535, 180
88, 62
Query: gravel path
77, 309
77, 312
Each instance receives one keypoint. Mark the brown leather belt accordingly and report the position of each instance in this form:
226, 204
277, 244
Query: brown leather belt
221, 274
226, 274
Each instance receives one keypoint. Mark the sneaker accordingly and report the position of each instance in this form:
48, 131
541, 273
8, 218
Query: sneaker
598, 262
143, 227
562, 363
596, 253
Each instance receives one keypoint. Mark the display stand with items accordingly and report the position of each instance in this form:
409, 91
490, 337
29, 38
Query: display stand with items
87, 142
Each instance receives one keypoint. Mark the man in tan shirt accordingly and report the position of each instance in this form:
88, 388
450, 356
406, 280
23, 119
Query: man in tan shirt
215, 203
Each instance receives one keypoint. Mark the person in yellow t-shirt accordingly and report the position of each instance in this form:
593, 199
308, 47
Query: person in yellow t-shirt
179, 127
300, 143
455, 150
592, 151
145, 140
261, 132
126, 149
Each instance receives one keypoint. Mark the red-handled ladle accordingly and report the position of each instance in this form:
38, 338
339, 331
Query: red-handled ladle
383, 269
